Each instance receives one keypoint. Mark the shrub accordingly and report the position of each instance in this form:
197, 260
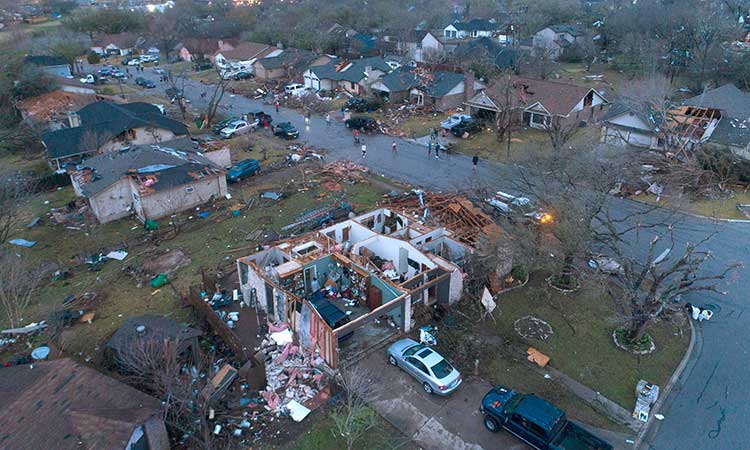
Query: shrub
93, 58
519, 273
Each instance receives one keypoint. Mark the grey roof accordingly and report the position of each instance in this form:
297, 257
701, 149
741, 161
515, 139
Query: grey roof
443, 82
728, 98
476, 25
573, 30
487, 49
732, 131
46, 60
172, 162
400, 80
292, 57
354, 73
156, 327
102, 121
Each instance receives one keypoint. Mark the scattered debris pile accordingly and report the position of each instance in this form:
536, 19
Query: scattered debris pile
301, 152
454, 212
317, 217
345, 172
296, 379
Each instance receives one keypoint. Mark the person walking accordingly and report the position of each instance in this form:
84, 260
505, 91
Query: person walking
394, 147
328, 119
437, 151
364, 150
356, 136
276, 105
429, 149
474, 162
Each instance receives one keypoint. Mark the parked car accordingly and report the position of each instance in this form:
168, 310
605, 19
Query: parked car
362, 123
454, 120
509, 204
237, 127
286, 130
535, 421
149, 58
134, 62
434, 372
174, 93
203, 65
140, 81
243, 169
359, 104
90, 79
296, 89
104, 72
126, 61
261, 116
466, 126
117, 73
223, 124
606, 264
242, 75
159, 71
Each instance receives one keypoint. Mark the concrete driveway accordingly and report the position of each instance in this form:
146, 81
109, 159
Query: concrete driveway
433, 422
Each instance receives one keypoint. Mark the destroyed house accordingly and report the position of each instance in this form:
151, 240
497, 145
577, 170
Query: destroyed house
373, 272
104, 126
149, 181
64, 405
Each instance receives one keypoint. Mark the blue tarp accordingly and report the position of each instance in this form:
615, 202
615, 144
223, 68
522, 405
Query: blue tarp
22, 242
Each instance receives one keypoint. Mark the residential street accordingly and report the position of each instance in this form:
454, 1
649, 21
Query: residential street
709, 405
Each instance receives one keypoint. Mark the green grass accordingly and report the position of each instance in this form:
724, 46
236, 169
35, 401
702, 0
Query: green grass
723, 208
319, 436
205, 241
486, 146
581, 345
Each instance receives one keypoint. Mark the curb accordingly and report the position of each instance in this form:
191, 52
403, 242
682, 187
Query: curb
697, 216
668, 388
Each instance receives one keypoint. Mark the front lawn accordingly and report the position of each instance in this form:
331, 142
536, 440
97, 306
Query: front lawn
581, 344
722, 208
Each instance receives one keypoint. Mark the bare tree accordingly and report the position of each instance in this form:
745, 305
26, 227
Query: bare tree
154, 364
559, 130
504, 94
353, 418
216, 97
19, 283
542, 62
13, 190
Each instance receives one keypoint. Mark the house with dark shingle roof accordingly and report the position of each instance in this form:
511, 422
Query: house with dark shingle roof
150, 181
396, 86
556, 38
104, 126
733, 130
535, 103
50, 64
354, 76
486, 51
64, 405
444, 90
287, 63
624, 125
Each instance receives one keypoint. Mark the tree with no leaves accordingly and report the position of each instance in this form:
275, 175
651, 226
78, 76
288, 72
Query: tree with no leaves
13, 191
353, 418
19, 283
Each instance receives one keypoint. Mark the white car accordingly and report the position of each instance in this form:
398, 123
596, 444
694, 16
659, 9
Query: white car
454, 120
238, 127
159, 71
296, 89
88, 79
134, 62
149, 58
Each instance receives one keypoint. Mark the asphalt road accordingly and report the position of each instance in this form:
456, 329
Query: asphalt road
709, 406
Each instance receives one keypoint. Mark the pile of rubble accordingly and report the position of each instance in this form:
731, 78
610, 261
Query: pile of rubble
345, 171
295, 378
454, 212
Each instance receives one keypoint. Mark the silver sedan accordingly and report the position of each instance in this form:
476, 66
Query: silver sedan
435, 373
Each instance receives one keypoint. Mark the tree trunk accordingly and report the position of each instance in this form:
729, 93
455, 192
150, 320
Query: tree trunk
638, 328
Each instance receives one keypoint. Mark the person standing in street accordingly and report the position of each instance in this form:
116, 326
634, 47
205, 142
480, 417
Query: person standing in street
364, 150
356, 136
429, 149
394, 147
276, 105
328, 119
474, 162
437, 151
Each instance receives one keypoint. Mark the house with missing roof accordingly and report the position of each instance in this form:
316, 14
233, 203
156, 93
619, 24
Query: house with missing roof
374, 270
536, 103
718, 118
50, 64
64, 405
354, 76
104, 126
149, 181
554, 39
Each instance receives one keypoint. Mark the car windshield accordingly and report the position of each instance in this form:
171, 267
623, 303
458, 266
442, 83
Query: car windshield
442, 369
414, 349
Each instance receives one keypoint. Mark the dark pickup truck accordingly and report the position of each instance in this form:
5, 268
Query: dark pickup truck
535, 422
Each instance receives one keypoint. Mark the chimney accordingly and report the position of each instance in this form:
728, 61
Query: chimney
74, 120
468, 85
279, 45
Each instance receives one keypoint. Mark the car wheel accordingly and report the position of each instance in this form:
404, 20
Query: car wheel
392, 360
491, 424
427, 388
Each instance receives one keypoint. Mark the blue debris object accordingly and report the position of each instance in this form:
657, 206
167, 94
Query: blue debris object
22, 242
204, 214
